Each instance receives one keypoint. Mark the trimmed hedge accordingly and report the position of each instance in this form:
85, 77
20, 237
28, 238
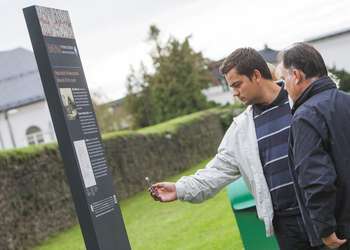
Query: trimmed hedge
35, 199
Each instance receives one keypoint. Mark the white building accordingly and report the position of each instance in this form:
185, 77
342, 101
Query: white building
218, 91
24, 115
334, 48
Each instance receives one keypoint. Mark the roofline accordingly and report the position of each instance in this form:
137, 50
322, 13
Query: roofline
216, 63
115, 102
327, 36
19, 105
19, 75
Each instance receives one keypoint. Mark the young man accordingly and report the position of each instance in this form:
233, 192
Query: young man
256, 147
319, 147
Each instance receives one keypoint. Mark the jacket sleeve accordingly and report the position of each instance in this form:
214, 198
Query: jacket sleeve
219, 172
315, 172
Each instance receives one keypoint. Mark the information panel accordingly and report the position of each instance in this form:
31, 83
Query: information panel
77, 132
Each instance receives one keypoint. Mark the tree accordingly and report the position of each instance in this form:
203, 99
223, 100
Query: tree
103, 115
343, 77
174, 88
138, 100
110, 116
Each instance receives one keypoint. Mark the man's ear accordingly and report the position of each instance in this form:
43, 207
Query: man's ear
298, 75
256, 75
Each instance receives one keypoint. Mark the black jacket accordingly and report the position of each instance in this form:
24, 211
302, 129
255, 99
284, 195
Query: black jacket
319, 155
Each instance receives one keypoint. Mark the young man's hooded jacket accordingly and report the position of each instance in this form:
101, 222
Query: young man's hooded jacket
238, 155
319, 152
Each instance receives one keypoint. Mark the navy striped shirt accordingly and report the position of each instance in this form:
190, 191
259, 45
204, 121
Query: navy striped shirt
272, 123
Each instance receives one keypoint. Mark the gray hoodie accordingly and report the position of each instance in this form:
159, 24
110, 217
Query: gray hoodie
238, 155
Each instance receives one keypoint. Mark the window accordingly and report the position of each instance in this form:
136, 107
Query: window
34, 135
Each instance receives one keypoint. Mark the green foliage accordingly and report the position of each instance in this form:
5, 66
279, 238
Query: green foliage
27, 152
343, 77
110, 116
152, 225
104, 117
226, 115
174, 88
228, 112
138, 101
172, 125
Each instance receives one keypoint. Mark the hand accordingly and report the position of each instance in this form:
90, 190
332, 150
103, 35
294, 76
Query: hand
332, 241
163, 191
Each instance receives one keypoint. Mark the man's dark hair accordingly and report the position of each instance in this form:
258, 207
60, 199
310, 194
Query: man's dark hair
245, 61
304, 57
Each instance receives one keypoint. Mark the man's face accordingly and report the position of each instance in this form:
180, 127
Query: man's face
245, 89
291, 79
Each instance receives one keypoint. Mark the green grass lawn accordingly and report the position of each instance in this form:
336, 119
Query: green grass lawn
176, 225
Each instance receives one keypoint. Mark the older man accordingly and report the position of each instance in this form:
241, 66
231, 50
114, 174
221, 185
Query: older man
319, 146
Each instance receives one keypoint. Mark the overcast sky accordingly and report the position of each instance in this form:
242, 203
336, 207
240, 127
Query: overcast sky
111, 34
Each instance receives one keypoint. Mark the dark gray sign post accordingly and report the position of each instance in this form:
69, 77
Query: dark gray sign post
76, 128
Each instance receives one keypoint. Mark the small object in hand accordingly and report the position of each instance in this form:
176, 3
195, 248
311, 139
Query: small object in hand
148, 181
151, 188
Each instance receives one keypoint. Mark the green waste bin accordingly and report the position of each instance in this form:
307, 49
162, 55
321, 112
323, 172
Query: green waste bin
252, 229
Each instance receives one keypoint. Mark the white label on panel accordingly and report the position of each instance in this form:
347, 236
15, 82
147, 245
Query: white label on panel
84, 163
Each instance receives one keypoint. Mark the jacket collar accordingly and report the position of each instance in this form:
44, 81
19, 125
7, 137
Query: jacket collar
318, 86
249, 109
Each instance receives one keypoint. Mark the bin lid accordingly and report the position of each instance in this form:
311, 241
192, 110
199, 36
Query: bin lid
239, 195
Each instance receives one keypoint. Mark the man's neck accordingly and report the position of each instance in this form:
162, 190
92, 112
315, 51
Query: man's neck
306, 84
269, 92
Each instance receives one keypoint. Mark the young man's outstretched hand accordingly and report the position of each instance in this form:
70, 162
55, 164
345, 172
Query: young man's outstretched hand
163, 191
